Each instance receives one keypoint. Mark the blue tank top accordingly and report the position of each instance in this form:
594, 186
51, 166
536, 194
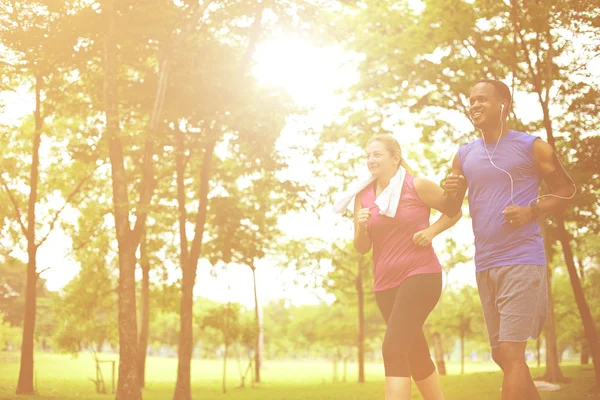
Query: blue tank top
497, 243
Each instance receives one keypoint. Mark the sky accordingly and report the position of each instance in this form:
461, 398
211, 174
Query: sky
316, 78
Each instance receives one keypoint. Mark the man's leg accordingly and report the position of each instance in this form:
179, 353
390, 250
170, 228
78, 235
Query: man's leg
520, 301
530, 392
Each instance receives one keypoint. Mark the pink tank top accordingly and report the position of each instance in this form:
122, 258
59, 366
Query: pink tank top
395, 255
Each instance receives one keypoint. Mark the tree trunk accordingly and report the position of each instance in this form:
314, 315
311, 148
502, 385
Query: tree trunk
360, 292
538, 351
226, 338
189, 263
553, 372
585, 348
183, 389
462, 352
25, 384
585, 353
334, 377
258, 347
128, 387
584, 310
581, 270
145, 300
438, 350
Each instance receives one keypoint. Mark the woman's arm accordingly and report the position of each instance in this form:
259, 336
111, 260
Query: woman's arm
362, 240
432, 194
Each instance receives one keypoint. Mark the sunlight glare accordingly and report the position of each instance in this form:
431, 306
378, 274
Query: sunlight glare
310, 74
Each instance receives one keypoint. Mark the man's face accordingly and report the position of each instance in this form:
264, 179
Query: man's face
485, 108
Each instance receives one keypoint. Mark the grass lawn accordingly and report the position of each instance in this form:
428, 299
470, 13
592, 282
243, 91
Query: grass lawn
61, 377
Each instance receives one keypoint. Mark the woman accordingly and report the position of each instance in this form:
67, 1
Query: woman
407, 273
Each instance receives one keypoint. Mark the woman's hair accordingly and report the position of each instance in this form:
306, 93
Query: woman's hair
392, 146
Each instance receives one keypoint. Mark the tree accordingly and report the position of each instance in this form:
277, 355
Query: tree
235, 327
128, 238
553, 372
243, 225
212, 123
435, 327
459, 315
87, 310
12, 291
351, 276
9, 335
38, 61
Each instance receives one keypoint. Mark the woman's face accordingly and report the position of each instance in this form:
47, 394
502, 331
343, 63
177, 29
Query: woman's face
380, 161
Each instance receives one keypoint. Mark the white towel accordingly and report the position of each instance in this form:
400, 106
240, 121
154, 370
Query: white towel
387, 201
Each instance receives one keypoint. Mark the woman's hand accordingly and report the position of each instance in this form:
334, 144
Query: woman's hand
423, 238
362, 218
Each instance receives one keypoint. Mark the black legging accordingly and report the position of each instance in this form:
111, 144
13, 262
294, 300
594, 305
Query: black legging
405, 309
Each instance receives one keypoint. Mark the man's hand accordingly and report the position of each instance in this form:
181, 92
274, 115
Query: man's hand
423, 238
518, 216
455, 185
362, 218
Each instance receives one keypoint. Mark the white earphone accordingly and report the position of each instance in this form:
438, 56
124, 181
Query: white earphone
512, 184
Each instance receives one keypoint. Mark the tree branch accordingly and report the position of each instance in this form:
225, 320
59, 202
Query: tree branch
526, 52
4, 251
67, 202
255, 30
148, 180
14, 203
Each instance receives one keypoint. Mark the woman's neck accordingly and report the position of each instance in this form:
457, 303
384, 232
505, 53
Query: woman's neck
382, 182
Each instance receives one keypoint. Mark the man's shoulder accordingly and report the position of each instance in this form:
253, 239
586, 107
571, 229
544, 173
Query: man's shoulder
469, 145
523, 136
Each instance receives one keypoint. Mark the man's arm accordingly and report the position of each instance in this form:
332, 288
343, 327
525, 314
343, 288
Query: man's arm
455, 189
559, 183
554, 175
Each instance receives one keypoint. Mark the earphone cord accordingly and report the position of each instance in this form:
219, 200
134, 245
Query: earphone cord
512, 184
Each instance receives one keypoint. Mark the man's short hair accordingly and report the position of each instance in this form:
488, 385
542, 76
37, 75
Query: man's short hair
502, 89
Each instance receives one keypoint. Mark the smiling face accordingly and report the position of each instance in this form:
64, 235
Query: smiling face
486, 106
380, 160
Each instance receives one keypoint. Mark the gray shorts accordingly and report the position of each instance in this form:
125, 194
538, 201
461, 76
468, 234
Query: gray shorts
515, 302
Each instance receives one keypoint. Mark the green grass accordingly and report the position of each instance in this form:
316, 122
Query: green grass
61, 377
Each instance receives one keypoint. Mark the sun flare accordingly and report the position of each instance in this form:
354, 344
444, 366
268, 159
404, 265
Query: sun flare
308, 73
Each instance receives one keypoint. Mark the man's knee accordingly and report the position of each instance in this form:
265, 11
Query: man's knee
512, 354
497, 356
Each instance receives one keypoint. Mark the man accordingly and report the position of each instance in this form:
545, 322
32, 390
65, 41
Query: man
502, 172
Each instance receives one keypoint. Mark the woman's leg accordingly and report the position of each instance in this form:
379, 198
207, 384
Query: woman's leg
423, 370
414, 300
430, 387
395, 387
